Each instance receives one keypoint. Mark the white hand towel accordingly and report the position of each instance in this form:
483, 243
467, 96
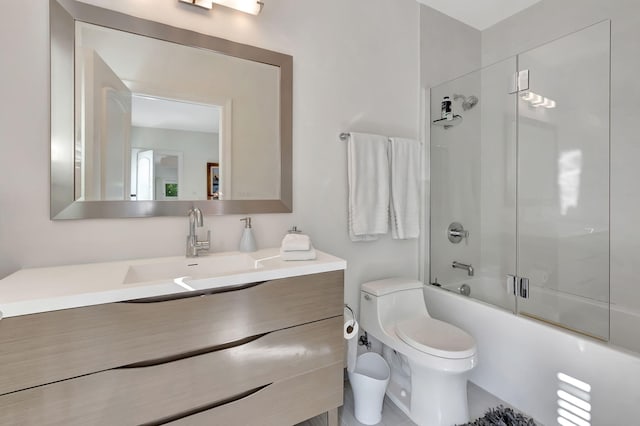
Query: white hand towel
368, 169
404, 159
296, 242
298, 255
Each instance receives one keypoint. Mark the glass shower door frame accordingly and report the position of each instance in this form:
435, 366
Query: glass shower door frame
522, 149
562, 238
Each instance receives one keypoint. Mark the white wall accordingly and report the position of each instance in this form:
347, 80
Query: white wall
197, 148
549, 20
356, 68
449, 48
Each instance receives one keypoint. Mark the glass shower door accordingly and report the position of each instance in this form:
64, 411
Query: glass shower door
473, 185
563, 182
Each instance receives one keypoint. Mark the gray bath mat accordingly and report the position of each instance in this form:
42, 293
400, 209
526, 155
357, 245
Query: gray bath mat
502, 416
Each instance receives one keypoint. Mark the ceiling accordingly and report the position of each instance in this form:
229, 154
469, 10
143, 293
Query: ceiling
130, 58
480, 14
162, 113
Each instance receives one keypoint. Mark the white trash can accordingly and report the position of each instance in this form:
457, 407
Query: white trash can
369, 382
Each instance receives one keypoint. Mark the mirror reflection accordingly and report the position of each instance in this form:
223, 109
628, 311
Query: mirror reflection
153, 117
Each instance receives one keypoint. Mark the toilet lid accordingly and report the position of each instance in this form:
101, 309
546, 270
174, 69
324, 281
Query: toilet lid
436, 338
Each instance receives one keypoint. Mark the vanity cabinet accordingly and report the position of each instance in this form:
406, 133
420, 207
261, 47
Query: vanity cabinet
264, 353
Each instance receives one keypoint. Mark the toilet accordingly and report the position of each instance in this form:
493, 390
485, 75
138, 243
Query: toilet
429, 359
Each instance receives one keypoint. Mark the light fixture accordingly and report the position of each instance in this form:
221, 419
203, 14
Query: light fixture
536, 100
248, 6
205, 4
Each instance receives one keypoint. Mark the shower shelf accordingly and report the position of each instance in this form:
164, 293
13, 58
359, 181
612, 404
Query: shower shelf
457, 119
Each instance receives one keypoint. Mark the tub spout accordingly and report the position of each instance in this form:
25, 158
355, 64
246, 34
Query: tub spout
464, 266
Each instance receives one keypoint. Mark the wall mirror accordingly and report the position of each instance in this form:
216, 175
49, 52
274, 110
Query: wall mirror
140, 111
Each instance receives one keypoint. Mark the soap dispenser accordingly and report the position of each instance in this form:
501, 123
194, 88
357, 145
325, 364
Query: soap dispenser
247, 242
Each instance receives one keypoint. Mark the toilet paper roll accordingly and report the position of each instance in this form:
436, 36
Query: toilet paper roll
350, 329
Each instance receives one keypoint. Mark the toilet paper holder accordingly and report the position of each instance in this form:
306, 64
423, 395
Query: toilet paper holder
353, 316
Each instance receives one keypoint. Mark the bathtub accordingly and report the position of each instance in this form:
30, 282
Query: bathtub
526, 362
572, 311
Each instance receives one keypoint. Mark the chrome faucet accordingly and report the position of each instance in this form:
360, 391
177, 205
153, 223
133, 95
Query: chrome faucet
464, 266
194, 246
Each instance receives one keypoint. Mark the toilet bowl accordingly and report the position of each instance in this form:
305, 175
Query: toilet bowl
432, 391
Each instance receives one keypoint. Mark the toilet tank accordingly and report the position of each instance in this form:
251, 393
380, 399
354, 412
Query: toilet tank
385, 302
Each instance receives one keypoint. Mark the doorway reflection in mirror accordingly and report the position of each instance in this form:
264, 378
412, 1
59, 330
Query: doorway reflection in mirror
213, 182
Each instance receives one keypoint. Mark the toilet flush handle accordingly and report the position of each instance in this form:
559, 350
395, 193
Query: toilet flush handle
367, 297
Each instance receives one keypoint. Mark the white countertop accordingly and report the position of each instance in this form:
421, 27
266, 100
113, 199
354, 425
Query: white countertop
35, 290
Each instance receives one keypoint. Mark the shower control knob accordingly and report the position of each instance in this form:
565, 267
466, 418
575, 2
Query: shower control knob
456, 233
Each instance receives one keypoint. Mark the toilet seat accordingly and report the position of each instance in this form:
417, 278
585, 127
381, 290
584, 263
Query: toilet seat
436, 338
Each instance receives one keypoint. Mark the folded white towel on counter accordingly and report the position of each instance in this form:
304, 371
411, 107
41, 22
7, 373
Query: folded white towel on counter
296, 242
368, 169
404, 160
298, 255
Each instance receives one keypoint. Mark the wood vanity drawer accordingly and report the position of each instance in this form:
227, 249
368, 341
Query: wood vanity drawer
52, 346
139, 395
283, 403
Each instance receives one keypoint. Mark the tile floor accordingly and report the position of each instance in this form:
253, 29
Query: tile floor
479, 401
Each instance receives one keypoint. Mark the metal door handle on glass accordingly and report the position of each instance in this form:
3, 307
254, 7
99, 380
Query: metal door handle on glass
518, 286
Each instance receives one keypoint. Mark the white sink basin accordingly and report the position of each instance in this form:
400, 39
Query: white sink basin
192, 268
35, 290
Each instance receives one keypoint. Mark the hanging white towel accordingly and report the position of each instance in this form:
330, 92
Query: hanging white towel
368, 169
404, 160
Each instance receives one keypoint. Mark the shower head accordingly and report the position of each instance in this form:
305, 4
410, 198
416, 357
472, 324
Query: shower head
470, 102
467, 102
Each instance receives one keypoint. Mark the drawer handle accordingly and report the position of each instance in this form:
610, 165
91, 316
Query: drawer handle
196, 293
235, 398
184, 355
